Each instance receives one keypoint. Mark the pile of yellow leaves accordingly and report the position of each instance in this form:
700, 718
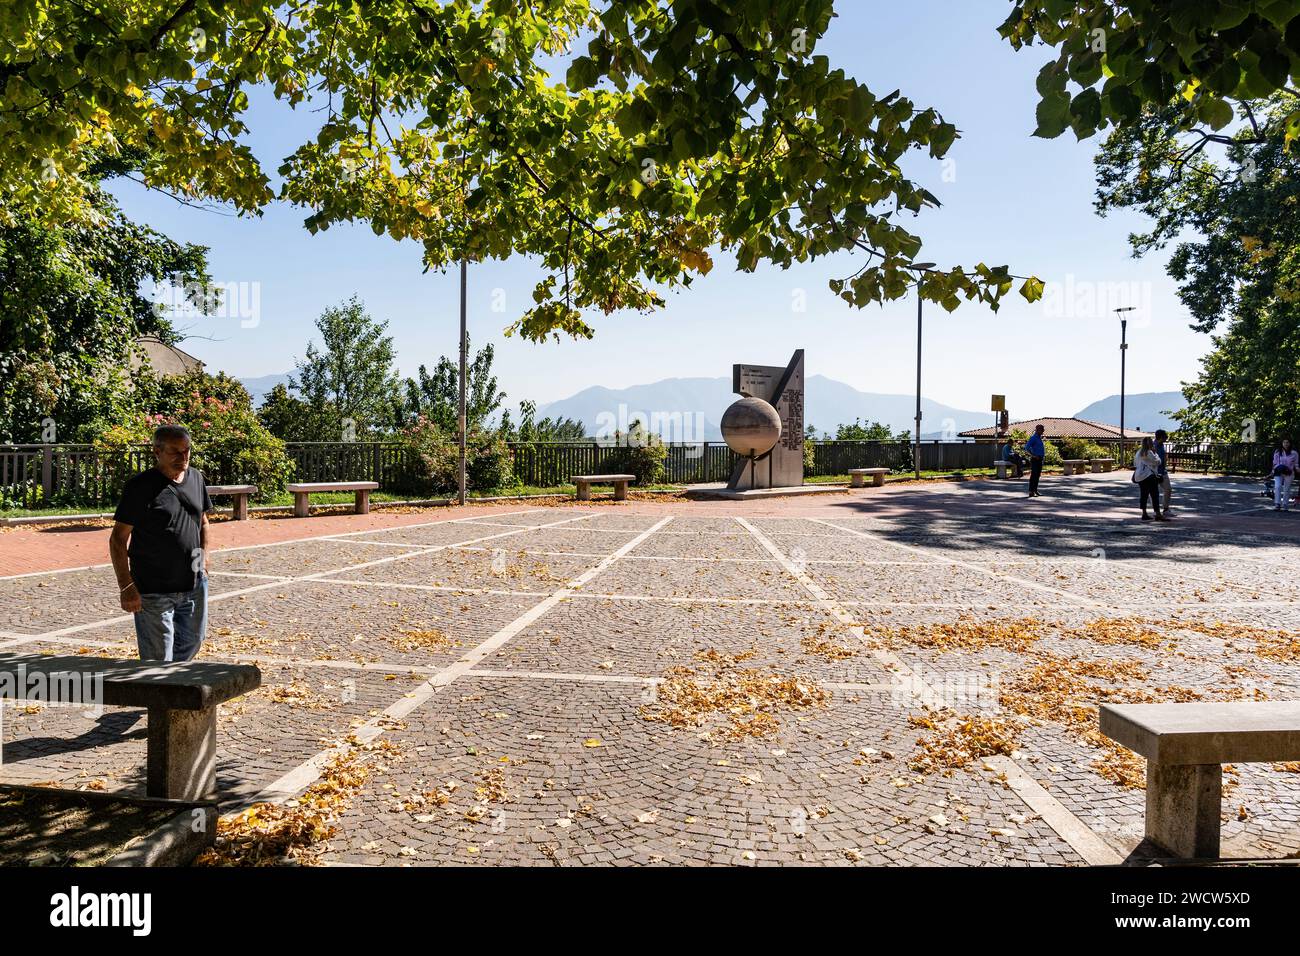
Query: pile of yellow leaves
422, 640
967, 633
748, 699
959, 739
272, 834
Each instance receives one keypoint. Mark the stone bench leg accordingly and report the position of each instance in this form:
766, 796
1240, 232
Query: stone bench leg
878, 481
1096, 468
241, 507
363, 501
855, 481
1001, 468
584, 491
300, 504
620, 491
1183, 804
182, 753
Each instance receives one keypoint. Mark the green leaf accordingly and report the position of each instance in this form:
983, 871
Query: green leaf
1032, 289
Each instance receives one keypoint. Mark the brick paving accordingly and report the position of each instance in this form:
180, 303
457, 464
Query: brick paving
513, 659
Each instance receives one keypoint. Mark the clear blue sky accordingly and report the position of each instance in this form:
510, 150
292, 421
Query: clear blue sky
1010, 199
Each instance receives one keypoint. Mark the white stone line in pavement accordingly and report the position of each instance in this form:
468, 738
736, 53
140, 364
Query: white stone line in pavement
563, 676
1067, 826
227, 595
644, 557
374, 544
256, 658
631, 679
271, 544
1023, 582
295, 781
597, 596
246, 574
1057, 816
443, 588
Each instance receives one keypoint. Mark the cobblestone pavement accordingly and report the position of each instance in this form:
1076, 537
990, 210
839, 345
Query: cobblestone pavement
662, 684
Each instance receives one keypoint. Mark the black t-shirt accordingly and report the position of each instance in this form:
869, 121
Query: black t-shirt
164, 516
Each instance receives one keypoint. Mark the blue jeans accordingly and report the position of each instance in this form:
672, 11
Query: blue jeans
170, 627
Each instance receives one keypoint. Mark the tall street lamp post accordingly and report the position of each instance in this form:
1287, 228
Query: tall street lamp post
1123, 352
916, 451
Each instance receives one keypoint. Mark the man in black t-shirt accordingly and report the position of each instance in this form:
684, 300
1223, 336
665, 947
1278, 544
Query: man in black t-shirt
162, 573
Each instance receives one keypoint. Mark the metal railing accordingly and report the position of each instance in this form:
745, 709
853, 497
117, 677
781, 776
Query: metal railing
34, 476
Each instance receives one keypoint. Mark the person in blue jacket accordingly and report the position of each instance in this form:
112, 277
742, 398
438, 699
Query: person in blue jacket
1037, 452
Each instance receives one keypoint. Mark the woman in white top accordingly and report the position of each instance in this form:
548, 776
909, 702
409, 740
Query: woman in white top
1146, 472
1285, 464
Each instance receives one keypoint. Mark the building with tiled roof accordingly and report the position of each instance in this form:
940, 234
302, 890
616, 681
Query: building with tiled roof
1063, 428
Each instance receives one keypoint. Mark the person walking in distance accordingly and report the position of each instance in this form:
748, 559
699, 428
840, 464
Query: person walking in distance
1146, 472
1037, 452
1162, 451
1285, 462
159, 547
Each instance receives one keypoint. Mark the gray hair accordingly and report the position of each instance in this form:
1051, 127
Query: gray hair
166, 433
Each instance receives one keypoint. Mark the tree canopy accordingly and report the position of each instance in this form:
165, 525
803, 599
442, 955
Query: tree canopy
1207, 57
1234, 220
675, 129
72, 303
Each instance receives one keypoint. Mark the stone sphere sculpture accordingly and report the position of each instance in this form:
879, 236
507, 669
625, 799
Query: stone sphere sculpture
751, 427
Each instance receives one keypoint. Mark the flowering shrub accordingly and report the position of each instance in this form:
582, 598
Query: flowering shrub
230, 446
489, 462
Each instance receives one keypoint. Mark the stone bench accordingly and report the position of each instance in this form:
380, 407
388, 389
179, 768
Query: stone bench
584, 483
857, 476
1074, 466
181, 698
241, 494
301, 490
1004, 468
1186, 746
1102, 464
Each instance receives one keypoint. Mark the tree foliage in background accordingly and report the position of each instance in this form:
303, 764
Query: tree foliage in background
675, 128
1208, 58
1233, 216
437, 397
71, 307
348, 386
546, 430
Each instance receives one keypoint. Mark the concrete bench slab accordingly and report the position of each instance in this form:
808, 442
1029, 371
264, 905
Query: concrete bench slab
584, 483
240, 493
181, 698
1186, 746
857, 476
302, 489
1074, 466
1102, 464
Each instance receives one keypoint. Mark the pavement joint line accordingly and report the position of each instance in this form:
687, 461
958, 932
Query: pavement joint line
319, 575
1095, 850
564, 676
1023, 582
245, 574
373, 544
379, 666
442, 588
1072, 830
641, 557
305, 774
264, 544
595, 595
632, 679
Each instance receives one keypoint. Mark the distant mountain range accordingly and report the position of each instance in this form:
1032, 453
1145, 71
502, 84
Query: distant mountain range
689, 409
1145, 411
259, 386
